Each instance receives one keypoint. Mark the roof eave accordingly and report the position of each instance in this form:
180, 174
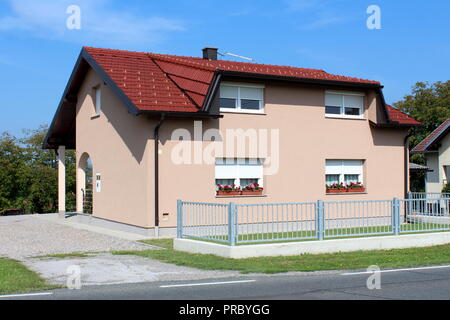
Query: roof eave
110, 83
435, 139
299, 80
423, 151
394, 124
45, 144
181, 114
211, 91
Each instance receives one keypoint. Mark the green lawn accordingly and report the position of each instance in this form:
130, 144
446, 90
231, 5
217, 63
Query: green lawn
337, 261
337, 233
16, 278
65, 255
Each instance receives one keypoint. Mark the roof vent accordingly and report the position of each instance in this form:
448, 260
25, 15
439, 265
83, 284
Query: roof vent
210, 53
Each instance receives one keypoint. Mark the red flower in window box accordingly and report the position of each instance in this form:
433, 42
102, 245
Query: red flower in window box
253, 189
355, 187
228, 190
336, 188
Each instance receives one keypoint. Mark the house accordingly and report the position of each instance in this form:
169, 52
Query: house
436, 148
154, 128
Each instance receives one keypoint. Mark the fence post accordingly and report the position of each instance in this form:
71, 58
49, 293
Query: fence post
396, 216
320, 220
179, 219
410, 206
232, 223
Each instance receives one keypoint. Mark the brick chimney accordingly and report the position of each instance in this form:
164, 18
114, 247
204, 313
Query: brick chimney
210, 53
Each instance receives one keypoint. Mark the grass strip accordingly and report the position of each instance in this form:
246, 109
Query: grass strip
16, 278
395, 258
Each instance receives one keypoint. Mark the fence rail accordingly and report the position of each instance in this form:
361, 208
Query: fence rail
268, 222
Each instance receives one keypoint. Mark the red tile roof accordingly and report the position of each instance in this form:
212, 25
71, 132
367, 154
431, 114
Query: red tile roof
142, 80
161, 82
257, 68
432, 137
400, 117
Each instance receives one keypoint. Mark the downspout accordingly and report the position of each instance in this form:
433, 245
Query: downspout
156, 158
406, 167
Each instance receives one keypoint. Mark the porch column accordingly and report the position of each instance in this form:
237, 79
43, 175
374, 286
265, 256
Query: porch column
62, 181
81, 188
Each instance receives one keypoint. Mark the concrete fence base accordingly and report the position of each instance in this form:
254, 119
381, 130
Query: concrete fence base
313, 247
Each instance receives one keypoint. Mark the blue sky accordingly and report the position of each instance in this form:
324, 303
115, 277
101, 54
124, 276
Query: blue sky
37, 51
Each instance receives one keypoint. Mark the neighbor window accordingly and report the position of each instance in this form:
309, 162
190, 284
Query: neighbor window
344, 171
344, 105
241, 98
240, 172
97, 100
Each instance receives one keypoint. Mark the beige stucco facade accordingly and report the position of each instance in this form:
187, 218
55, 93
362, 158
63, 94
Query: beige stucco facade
439, 163
121, 147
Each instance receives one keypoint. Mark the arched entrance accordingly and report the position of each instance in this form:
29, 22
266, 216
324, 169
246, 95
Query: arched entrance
84, 184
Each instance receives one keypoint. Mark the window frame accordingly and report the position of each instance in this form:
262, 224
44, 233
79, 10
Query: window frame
238, 108
97, 100
240, 175
342, 115
342, 172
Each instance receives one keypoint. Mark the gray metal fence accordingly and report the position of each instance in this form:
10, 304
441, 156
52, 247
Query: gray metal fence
435, 204
269, 222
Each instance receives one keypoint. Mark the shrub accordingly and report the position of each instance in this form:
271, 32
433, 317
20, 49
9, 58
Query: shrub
446, 188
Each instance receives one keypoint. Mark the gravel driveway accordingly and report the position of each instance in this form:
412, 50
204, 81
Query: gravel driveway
32, 235
105, 268
26, 237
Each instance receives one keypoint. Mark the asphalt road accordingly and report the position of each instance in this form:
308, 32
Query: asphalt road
414, 283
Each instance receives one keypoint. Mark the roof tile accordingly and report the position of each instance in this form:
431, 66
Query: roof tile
401, 117
162, 82
432, 137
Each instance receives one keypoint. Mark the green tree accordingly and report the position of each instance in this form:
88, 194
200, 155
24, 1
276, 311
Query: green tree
28, 175
11, 164
430, 104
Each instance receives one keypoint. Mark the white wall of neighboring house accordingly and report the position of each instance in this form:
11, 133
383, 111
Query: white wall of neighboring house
433, 183
439, 162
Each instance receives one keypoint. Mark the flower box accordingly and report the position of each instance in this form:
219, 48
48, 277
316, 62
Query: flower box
228, 193
360, 189
252, 192
336, 190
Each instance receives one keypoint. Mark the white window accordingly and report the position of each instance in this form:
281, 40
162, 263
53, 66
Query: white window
240, 172
344, 105
344, 171
246, 98
97, 100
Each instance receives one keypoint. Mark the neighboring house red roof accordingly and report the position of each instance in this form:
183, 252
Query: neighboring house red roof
433, 137
401, 117
162, 82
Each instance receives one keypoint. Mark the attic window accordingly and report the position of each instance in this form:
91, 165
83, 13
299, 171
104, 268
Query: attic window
97, 100
245, 98
344, 105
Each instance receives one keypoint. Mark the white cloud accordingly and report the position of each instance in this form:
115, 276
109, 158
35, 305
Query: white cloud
100, 22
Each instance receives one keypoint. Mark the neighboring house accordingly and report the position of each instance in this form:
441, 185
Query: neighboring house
124, 111
436, 148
